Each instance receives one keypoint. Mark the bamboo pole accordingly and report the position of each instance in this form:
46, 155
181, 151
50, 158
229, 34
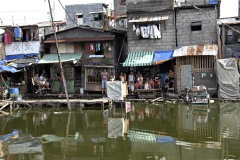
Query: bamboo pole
60, 63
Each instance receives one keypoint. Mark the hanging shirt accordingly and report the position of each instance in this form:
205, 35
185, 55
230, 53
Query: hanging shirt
17, 33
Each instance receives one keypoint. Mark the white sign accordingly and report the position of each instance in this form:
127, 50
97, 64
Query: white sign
22, 48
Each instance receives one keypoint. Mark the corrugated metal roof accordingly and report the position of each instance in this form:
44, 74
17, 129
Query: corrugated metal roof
196, 50
65, 57
148, 19
139, 59
228, 21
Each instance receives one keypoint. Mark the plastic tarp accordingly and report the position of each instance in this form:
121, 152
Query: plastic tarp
7, 69
162, 56
228, 78
115, 90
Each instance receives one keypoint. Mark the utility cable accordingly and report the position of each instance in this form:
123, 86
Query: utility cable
212, 16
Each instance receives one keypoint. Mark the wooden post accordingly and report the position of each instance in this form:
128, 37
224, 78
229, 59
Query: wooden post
59, 59
219, 42
223, 40
1, 81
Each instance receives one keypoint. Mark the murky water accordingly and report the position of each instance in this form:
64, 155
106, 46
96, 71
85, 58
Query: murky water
147, 132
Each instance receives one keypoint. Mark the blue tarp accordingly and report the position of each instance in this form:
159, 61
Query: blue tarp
213, 2
162, 56
7, 69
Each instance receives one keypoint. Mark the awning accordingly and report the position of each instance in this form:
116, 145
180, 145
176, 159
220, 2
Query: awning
148, 19
162, 56
139, 59
7, 69
197, 50
22, 63
65, 57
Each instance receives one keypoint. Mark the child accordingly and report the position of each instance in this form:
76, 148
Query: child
131, 87
147, 85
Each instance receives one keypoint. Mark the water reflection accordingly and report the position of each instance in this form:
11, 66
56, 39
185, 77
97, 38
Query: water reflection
147, 132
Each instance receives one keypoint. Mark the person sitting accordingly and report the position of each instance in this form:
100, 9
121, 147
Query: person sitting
166, 85
158, 81
44, 82
147, 85
131, 87
131, 79
139, 82
171, 78
36, 79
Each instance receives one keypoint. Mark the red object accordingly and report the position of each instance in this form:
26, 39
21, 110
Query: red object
7, 38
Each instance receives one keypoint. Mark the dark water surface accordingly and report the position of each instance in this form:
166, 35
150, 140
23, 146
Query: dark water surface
147, 132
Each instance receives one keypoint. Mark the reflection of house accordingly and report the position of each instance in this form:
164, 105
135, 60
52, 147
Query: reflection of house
194, 124
85, 51
229, 128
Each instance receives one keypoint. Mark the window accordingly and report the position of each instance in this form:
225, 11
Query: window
229, 37
123, 2
148, 31
79, 17
97, 16
196, 26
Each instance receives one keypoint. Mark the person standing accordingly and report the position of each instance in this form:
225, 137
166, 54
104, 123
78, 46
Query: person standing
104, 78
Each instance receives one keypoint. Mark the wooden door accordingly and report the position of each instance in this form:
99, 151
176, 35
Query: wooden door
186, 76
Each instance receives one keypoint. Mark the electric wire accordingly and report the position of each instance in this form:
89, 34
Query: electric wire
212, 16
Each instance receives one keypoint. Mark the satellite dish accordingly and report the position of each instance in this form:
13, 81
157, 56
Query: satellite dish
2, 31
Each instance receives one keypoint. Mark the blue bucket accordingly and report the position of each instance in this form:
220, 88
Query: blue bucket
13, 92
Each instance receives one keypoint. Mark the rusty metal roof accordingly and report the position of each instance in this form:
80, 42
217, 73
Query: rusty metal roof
148, 19
197, 50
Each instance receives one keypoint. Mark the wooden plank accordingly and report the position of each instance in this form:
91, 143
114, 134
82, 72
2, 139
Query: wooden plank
3, 106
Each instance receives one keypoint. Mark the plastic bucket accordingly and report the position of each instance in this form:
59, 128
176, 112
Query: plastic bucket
13, 92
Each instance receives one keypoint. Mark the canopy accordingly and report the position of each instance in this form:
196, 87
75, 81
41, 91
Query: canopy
7, 69
139, 59
21, 63
197, 50
65, 57
162, 56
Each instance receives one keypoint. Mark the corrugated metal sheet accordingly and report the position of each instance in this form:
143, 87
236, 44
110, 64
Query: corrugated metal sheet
66, 57
196, 50
228, 21
139, 59
148, 19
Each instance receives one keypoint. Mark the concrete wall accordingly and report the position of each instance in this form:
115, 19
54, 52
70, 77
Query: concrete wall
167, 42
85, 9
119, 9
136, 6
195, 2
207, 35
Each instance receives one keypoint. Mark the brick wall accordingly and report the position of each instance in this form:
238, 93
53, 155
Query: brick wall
167, 42
134, 6
207, 35
85, 9
119, 9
